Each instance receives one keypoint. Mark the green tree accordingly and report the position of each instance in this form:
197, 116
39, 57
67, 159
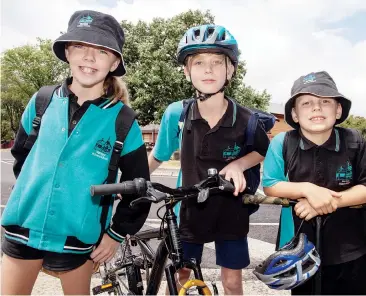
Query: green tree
23, 71
356, 122
6, 132
154, 77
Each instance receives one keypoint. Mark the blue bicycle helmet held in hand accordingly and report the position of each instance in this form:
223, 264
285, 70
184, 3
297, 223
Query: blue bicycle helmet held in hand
208, 38
290, 266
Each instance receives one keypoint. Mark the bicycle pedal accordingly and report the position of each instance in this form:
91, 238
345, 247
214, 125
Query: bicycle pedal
104, 288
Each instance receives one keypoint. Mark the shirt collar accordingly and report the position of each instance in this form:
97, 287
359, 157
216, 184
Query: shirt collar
332, 144
228, 118
67, 93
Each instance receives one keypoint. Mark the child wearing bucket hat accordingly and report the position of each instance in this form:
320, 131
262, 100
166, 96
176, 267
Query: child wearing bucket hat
323, 166
73, 136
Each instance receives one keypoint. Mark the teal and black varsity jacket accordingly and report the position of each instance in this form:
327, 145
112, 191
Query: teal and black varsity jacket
50, 207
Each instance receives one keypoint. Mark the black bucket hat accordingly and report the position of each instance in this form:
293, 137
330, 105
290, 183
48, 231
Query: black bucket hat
319, 84
95, 28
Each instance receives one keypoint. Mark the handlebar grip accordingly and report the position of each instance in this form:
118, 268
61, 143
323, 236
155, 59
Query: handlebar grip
127, 187
262, 199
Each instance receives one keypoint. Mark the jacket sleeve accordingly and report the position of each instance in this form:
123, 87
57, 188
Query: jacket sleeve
133, 164
25, 126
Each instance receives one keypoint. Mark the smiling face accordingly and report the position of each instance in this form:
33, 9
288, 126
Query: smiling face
208, 71
316, 114
90, 64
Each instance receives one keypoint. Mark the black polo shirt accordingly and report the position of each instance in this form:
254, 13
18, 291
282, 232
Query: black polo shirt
220, 217
330, 166
76, 111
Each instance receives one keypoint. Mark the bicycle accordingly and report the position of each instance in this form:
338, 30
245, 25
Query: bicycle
131, 265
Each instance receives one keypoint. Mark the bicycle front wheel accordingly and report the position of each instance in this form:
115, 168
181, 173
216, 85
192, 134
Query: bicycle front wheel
192, 285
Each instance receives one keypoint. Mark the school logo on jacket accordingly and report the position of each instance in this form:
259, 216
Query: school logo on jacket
102, 149
231, 152
344, 174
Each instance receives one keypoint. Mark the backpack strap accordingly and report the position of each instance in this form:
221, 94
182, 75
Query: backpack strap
250, 131
124, 121
187, 105
290, 144
43, 99
353, 140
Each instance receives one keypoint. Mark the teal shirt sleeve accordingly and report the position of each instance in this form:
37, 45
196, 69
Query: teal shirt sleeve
168, 137
273, 167
274, 172
29, 114
133, 140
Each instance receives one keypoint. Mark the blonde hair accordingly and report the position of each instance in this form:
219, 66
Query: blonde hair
115, 87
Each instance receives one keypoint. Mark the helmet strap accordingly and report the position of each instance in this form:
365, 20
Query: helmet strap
298, 231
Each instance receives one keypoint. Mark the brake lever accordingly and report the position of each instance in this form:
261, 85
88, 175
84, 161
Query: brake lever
157, 195
203, 194
152, 195
140, 200
225, 185
222, 185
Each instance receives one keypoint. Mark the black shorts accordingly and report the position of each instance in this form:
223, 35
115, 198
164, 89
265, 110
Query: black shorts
51, 260
341, 279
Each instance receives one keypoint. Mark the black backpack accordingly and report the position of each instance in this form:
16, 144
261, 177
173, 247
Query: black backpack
124, 121
267, 122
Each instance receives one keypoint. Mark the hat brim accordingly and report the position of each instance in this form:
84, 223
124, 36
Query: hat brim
92, 37
319, 92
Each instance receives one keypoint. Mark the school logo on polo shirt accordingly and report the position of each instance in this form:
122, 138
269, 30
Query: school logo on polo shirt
344, 174
102, 149
231, 152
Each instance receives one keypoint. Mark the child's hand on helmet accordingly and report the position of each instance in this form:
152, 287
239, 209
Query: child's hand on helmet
235, 172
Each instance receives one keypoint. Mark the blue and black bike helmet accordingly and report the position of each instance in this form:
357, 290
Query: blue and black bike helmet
291, 266
208, 38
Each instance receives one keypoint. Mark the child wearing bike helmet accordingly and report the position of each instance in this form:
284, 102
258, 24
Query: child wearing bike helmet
211, 136
51, 220
323, 167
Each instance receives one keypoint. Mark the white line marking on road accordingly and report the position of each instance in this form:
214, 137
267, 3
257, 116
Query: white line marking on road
263, 224
7, 162
1, 206
155, 221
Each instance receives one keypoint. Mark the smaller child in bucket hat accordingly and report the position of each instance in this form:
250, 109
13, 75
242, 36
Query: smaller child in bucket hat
50, 220
323, 167
321, 85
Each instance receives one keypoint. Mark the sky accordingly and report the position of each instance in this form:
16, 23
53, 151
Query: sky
279, 40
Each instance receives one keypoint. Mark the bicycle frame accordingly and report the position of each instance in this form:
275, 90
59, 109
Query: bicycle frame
169, 246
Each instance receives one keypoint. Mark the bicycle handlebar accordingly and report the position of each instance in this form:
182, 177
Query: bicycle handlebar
156, 192
259, 198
